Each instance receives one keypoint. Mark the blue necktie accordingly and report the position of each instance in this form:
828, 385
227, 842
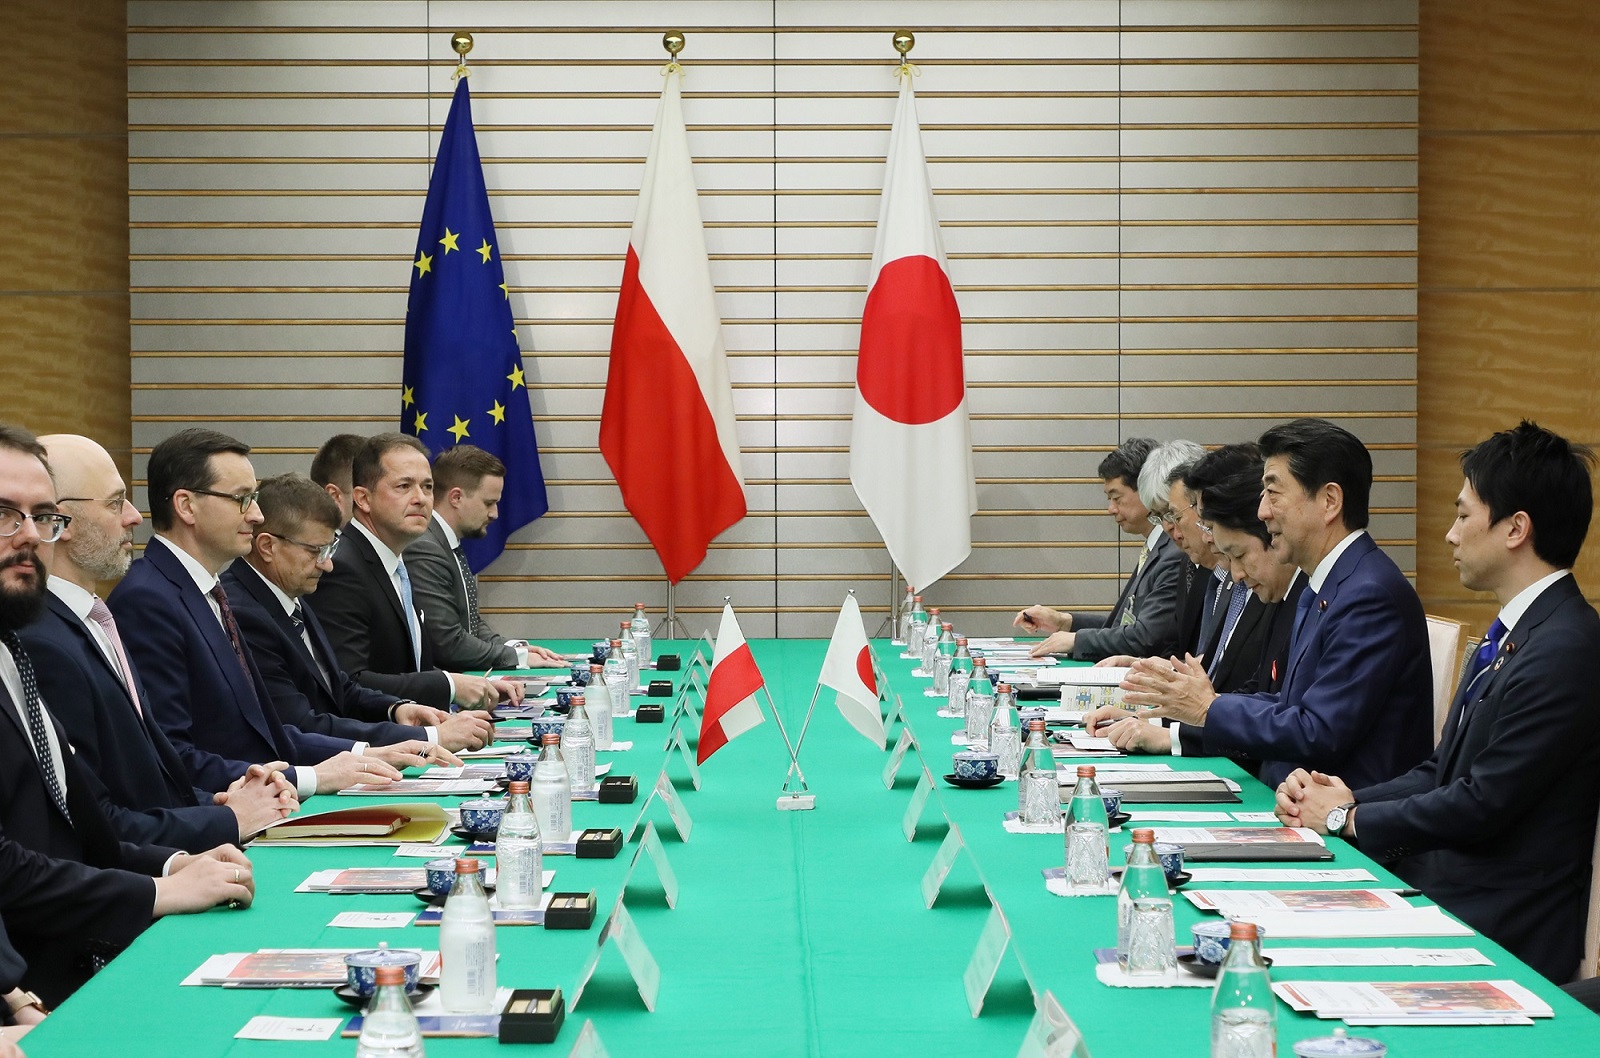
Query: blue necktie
1236, 605
1480, 660
1302, 610
411, 612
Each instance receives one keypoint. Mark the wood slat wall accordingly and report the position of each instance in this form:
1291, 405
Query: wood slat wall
1163, 218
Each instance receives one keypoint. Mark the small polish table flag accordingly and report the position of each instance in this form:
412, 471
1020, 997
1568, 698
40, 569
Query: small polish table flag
731, 707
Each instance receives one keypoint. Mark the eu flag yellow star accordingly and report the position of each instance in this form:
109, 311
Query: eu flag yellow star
459, 430
498, 412
515, 378
406, 398
505, 287
423, 264
449, 240
422, 422
486, 250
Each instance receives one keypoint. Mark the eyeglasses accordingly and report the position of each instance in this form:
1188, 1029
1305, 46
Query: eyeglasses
243, 499
1172, 517
1155, 519
1204, 528
112, 503
48, 526
322, 551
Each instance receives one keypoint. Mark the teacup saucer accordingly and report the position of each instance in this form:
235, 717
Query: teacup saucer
1118, 819
433, 899
472, 836
356, 999
1192, 963
974, 784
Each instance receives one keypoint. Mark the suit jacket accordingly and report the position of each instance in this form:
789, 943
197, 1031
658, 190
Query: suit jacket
148, 795
69, 891
364, 621
1498, 824
300, 692
1357, 695
1151, 595
219, 716
1194, 591
461, 640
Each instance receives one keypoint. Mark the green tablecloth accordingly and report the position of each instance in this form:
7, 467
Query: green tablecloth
796, 933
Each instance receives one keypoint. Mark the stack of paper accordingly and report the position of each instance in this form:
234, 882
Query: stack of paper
1242, 903
1416, 1002
1245, 843
425, 822
365, 880
1147, 786
411, 787
288, 968
1390, 922
1085, 688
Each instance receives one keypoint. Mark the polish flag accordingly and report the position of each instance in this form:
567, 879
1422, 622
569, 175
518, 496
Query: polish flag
847, 668
667, 425
910, 442
731, 707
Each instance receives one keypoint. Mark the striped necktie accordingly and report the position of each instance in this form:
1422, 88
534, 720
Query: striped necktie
33, 707
474, 618
1236, 604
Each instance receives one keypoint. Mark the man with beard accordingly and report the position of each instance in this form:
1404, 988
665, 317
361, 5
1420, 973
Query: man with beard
71, 895
467, 484
94, 689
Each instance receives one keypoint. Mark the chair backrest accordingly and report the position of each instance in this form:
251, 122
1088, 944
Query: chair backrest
1590, 967
1444, 644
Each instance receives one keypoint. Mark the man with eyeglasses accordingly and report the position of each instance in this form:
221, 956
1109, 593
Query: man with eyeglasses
71, 894
292, 550
179, 629
1144, 620
94, 690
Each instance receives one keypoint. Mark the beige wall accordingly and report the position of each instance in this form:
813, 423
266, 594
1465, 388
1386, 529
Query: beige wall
64, 214
1509, 240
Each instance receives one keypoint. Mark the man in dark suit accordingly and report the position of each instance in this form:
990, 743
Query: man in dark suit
1357, 693
1498, 824
366, 601
179, 630
71, 895
1143, 622
93, 689
330, 468
292, 549
467, 484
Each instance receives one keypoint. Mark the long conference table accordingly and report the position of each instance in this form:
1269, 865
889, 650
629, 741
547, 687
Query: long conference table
795, 933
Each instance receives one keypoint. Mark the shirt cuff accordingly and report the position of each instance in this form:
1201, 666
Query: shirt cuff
1177, 744
432, 735
360, 748
166, 868
305, 781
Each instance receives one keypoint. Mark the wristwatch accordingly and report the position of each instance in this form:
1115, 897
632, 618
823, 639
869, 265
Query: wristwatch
21, 1000
1337, 817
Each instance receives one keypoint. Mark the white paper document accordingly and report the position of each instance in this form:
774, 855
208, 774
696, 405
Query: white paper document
372, 919
1228, 835
1256, 817
1080, 676
1379, 957
1245, 903
262, 1027
1175, 815
1280, 874
1415, 1002
1412, 922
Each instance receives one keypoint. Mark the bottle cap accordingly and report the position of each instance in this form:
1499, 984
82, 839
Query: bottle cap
1144, 836
616, 643
948, 627
1086, 771
1241, 930
1003, 688
469, 865
933, 609
550, 740
638, 606
917, 598
625, 624
593, 668
577, 699
521, 786
390, 975
1035, 725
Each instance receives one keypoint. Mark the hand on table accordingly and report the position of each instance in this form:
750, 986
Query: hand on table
1305, 798
1178, 690
348, 769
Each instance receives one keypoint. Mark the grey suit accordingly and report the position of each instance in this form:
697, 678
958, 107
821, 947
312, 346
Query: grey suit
462, 641
1150, 596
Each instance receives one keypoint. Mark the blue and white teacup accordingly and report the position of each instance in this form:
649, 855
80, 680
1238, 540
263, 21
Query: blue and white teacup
1112, 798
976, 764
1212, 937
546, 725
1171, 857
519, 767
482, 816
442, 874
564, 695
361, 967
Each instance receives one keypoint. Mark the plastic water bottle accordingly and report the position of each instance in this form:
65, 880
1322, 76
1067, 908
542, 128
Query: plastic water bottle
617, 678
577, 746
944, 658
919, 625
930, 641
641, 635
466, 945
1088, 866
1005, 737
519, 852
552, 791
1038, 795
389, 1028
902, 628
1145, 944
630, 654
979, 705
1244, 1013
597, 700
956, 683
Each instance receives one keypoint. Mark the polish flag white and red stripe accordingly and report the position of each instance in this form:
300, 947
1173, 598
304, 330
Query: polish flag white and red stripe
847, 668
910, 440
731, 708
667, 425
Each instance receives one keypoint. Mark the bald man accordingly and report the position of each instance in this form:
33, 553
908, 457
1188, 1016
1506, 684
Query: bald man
93, 689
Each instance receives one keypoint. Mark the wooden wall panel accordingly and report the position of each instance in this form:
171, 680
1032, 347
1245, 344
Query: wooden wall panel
1509, 250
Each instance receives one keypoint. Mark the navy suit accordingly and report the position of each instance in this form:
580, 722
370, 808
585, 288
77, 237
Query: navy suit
148, 796
219, 717
69, 891
1357, 697
300, 691
1498, 824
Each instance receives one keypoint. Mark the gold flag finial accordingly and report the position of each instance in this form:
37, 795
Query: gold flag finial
904, 41
673, 41
461, 43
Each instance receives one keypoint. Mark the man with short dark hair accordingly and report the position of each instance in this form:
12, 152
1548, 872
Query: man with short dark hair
178, 627
366, 601
330, 468
1357, 696
293, 547
467, 484
1143, 622
1498, 824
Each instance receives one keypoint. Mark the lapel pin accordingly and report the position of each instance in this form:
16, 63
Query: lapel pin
1511, 648
1499, 663
1322, 605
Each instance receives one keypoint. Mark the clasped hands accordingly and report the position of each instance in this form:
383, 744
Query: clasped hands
1305, 798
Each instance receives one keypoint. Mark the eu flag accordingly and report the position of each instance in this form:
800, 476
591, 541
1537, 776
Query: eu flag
463, 381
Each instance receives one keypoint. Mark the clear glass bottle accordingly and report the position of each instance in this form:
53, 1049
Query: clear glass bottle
466, 945
630, 654
519, 852
1088, 866
930, 641
1244, 1012
1005, 736
944, 658
956, 683
597, 700
979, 704
1144, 939
902, 627
577, 745
919, 625
1038, 795
617, 679
388, 1027
640, 626
552, 792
